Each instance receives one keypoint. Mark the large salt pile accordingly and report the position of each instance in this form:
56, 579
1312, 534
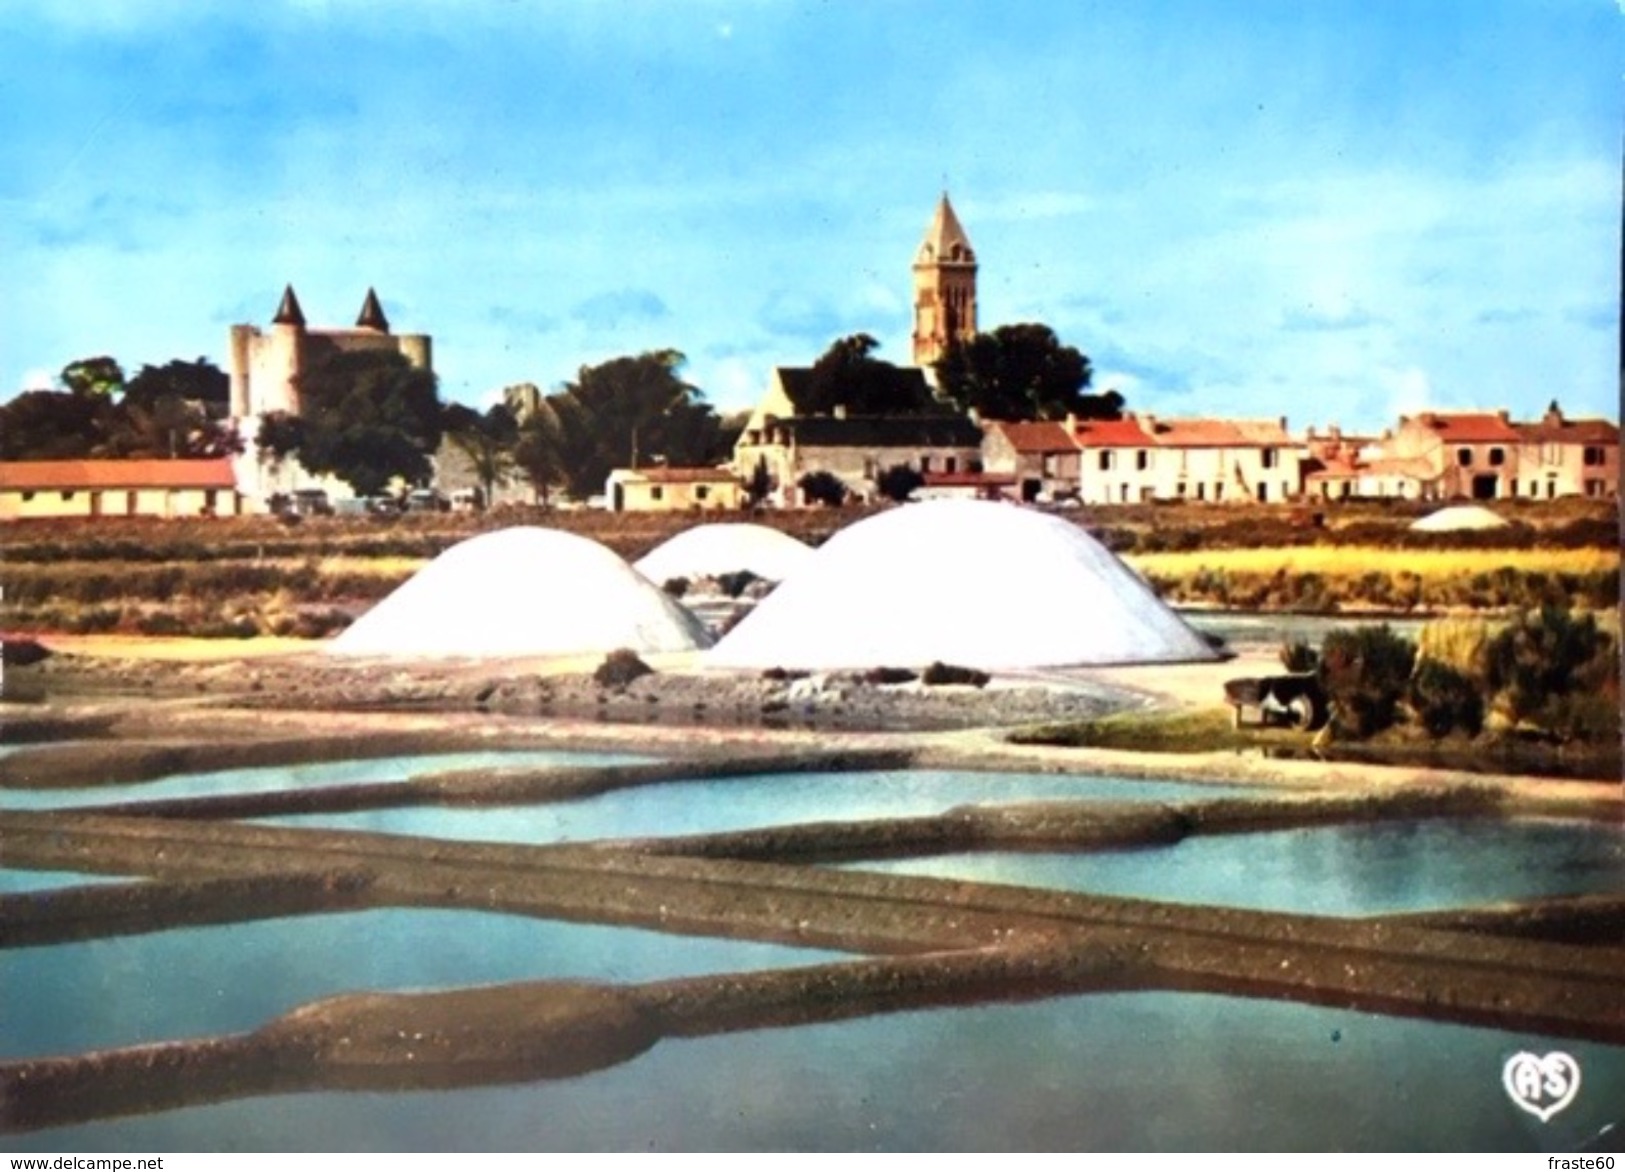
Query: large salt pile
523, 591
707, 551
1459, 517
966, 582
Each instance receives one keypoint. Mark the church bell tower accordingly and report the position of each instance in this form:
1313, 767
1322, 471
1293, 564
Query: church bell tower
944, 287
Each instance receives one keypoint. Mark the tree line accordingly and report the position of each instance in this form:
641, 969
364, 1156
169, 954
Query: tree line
370, 418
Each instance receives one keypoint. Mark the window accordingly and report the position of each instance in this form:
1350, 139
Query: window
67, 494
1534, 488
29, 495
1106, 461
950, 464
1269, 456
1593, 457
925, 463
702, 492
1181, 489
1498, 456
657, 493
1218, 490
1201, 490
1142, 460
1464, 457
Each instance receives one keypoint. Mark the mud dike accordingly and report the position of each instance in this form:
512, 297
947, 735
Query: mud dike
1549, 967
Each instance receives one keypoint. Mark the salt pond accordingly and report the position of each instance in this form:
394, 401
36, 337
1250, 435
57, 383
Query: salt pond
278, 778
702, 807
1139, 1071
1351, 870
193, 981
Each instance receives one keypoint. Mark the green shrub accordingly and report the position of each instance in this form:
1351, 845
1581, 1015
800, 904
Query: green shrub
1541, 664
676, 587
733, 584
1365, 673
1445, 700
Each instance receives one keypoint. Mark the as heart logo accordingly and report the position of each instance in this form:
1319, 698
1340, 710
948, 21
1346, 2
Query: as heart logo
1542, 1086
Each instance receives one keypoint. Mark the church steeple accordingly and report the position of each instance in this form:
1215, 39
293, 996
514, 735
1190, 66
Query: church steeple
288, 312
372, 314
944, 286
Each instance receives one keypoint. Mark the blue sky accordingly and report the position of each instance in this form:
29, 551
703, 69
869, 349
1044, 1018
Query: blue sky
1329, 211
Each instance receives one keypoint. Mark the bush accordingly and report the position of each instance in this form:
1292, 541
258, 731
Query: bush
620, 668
945, 673
1445, 700
733, 584
824, 488
889, 675
1366, 673
899, 482
1542, 657
676, 587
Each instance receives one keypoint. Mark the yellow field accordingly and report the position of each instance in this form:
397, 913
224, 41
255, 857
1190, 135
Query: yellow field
1352, 561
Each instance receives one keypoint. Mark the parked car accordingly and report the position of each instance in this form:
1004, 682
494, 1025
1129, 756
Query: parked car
425, 500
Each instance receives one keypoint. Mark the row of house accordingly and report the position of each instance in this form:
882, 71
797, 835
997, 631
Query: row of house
1141, 458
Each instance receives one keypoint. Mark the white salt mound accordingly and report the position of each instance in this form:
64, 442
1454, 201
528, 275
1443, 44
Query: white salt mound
523, 591
1458, 517
971, 583
708, 550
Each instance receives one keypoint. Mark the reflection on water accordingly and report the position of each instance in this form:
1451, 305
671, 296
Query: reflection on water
194, 981
276, 778
16, 881
702, 807
1140, 1071
1334, 870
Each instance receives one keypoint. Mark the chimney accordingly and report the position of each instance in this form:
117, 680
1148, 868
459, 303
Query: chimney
1335, 432
1071, 422
1503, 415
1283, 423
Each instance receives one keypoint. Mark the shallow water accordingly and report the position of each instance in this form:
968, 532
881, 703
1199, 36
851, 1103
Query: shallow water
702, 807
194, 981
277, 778
12, 880
1125, 1071
1349, 870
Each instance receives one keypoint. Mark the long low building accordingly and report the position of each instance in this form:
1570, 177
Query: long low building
118, 488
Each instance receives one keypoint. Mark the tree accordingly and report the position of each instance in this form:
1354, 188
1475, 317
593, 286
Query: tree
555, 438
51, 425
848, 375
899, 482
636, 410
824, 488
486, 441
200, 382
101, 376
367, 417
1022, 372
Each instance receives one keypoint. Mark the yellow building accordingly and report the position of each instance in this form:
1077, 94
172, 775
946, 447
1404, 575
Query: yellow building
118, 488
673, 489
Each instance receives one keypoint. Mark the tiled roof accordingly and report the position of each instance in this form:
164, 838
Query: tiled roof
943, 235
372, 316
1570, 431
883, 431
288, 312
1112, 433
1467, 427
90, 474
1035, 437
1218, 433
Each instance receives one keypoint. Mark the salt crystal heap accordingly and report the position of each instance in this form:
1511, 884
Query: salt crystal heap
708, 551
971, 583
1458, 517
523, 591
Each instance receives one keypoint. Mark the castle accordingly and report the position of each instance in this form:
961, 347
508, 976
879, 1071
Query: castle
266, 366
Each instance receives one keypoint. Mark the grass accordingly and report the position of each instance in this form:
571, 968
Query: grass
1350, 561
1208, 730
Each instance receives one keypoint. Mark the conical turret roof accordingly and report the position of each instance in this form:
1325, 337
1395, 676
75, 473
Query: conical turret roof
372, 316
288, 312
945, 239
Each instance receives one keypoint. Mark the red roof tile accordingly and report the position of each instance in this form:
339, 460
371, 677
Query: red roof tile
89, 474
1467, 427
1112, 433
1036, 437
1571, 431
1218, 433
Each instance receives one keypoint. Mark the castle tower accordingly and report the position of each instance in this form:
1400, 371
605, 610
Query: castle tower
372, 316
944, 287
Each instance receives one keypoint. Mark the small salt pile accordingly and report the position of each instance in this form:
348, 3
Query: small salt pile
709, 551
972, 583
1458, 517
523, 591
